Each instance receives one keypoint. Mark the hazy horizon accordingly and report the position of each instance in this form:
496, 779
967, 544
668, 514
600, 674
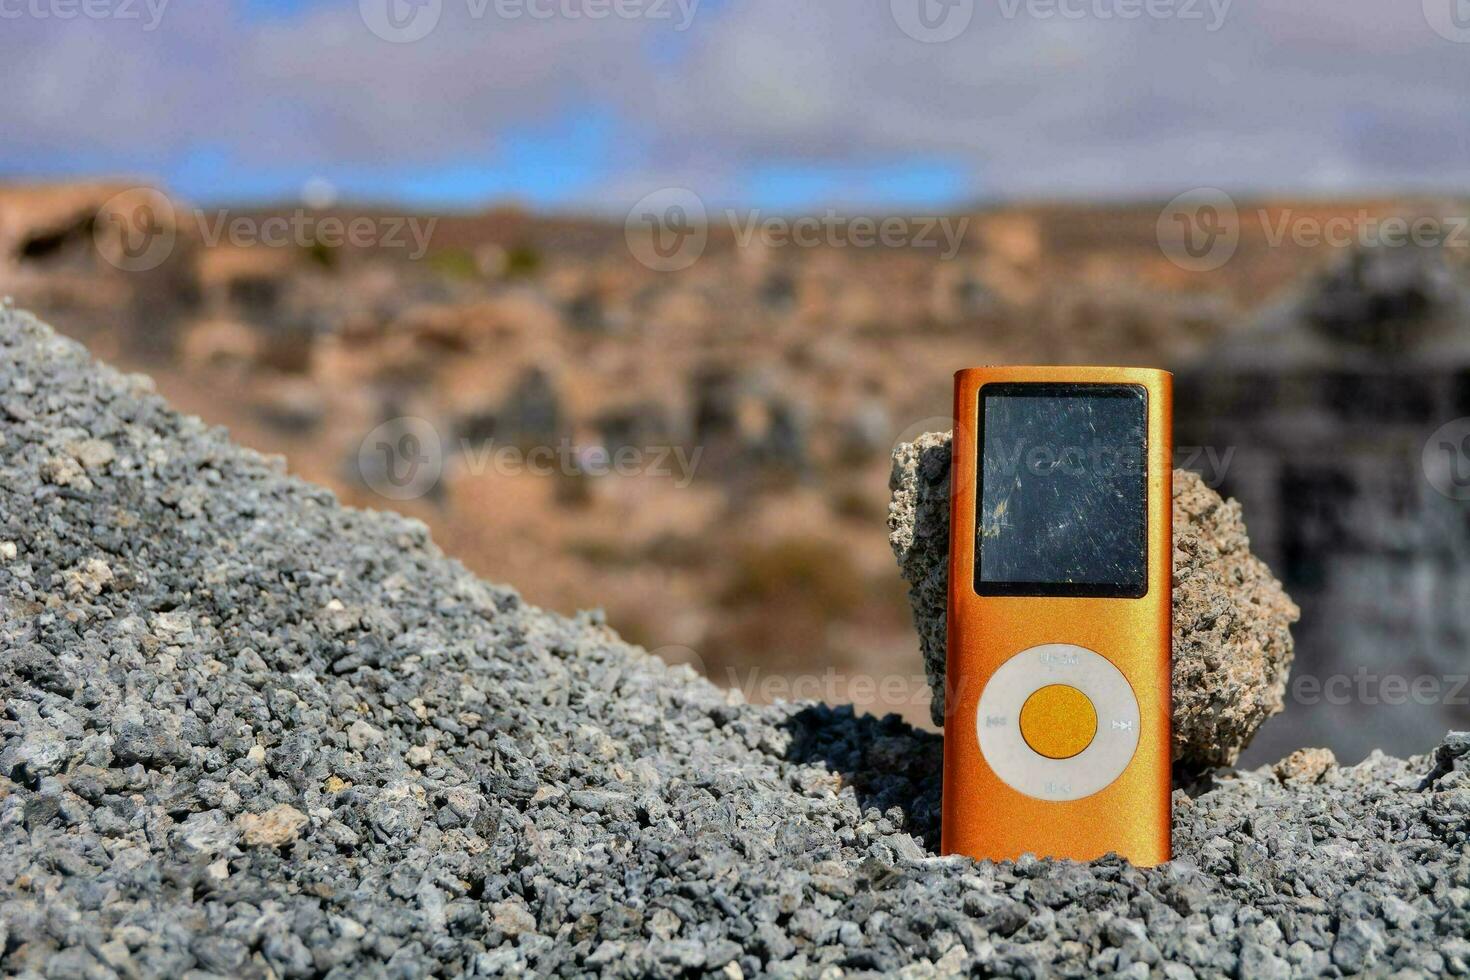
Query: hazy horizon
613, 212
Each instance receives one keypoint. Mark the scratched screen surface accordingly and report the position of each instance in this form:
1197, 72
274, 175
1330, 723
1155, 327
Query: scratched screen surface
1063, 491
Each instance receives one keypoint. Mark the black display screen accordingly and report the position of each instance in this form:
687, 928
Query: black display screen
1063, 490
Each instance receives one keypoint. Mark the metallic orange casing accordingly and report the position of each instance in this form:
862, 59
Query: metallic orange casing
983, 816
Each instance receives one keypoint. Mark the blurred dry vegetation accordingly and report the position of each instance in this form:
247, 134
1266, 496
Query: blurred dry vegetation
790, 372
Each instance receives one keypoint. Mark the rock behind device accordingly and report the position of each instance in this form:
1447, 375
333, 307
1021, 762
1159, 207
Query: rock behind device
1057, 737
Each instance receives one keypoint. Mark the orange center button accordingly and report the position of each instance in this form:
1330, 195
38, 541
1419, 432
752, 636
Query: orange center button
1058, 721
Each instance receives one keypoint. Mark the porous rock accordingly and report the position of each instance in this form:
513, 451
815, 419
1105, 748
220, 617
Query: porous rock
279, 825
1232, 636
1305, 765
585, 810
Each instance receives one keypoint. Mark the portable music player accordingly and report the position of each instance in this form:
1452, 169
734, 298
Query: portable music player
1056, 736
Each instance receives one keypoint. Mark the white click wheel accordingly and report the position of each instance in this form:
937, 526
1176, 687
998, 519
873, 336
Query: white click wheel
1058, 722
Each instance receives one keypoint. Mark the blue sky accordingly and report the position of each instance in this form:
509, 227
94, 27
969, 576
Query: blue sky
765, 103
276, 8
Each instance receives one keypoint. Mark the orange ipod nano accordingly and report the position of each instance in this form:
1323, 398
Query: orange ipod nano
1056, 735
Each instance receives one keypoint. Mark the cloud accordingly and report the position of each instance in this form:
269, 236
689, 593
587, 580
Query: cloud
1032, 98
1044, 106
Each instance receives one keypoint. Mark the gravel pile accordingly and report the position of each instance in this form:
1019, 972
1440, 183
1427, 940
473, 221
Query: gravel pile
1232, 620
249, 732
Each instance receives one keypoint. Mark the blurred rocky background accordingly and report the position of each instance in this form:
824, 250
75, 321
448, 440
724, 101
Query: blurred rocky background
706, 453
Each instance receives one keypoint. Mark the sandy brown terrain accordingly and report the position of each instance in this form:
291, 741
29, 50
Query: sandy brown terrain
754, 396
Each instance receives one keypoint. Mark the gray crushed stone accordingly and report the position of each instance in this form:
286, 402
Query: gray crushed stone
248, 732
